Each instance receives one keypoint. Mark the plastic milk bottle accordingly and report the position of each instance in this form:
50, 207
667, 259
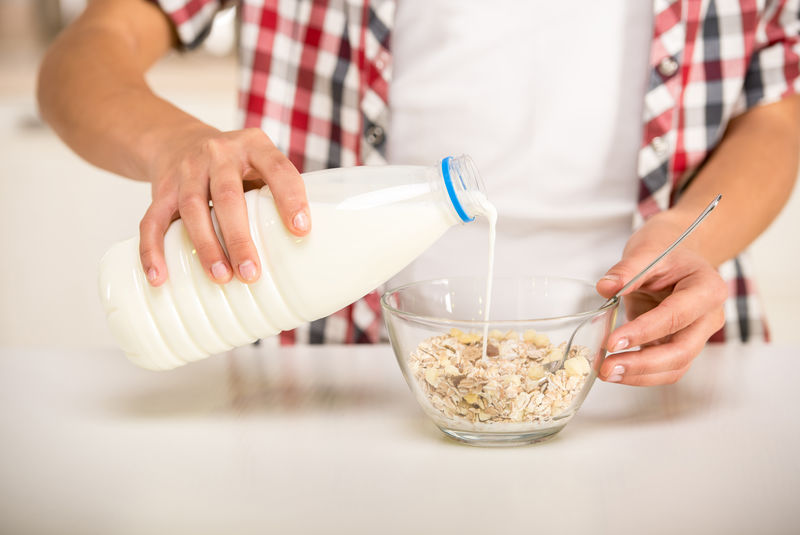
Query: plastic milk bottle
368, 224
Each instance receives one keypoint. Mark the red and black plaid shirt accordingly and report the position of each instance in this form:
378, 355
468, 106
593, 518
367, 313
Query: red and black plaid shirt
315, 77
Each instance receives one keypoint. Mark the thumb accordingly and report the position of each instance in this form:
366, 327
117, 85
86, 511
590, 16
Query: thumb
620, 273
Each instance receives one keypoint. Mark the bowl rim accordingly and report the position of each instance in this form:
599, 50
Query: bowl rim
422, 318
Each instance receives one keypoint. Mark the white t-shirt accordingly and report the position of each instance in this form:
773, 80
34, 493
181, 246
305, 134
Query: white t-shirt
547, 99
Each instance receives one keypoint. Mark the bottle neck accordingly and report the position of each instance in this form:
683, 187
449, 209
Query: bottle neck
464, 186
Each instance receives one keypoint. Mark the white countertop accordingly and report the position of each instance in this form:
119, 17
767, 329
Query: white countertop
330, 440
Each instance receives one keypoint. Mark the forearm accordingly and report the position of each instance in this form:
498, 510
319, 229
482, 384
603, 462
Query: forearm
754, 168
93, 93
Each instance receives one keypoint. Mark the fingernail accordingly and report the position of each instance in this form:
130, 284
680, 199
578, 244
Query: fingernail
247, 270
152, 274
219, 270
610, 277
614, 379
618, 370
300, 221
621, 344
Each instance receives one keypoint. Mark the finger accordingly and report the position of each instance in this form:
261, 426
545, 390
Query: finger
152, 228
227, 193
677, 354
284, 182
616, 277
654, 379
196, 215
625, 270
651, 360
694, 296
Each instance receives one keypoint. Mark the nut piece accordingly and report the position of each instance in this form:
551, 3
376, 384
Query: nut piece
553, 355
536, 371
529, 335
470, 338
540, 340
577, 366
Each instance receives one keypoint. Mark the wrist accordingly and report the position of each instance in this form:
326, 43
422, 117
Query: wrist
662, 229
162, 144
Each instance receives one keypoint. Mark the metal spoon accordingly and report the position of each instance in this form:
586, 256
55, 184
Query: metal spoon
555, 365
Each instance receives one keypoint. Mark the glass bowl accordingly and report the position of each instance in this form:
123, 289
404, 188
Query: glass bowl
531, 380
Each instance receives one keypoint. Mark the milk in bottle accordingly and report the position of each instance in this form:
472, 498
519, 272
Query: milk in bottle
368, 224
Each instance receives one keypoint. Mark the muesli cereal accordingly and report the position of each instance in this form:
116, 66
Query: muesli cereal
513, 384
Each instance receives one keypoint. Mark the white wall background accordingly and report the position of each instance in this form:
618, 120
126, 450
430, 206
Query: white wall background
58, 214
776, 257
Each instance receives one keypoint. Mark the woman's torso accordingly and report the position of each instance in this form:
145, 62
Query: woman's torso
547, 99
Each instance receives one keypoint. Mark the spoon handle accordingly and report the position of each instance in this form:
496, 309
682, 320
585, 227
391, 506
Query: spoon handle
669, 249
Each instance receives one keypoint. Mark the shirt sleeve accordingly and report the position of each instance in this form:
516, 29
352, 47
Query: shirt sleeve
774, 69
192, 19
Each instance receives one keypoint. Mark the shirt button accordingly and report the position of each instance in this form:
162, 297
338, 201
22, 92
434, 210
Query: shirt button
380, 64
375, 135
667, 66
660, 146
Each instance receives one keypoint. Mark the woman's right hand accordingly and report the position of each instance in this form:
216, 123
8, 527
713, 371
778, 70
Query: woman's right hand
134, 133
205, 165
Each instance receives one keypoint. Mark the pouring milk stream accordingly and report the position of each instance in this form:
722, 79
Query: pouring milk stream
369, 223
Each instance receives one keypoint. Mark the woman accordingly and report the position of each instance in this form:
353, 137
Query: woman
581, 117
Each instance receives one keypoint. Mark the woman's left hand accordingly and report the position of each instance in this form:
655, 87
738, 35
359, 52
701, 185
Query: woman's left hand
672, 311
